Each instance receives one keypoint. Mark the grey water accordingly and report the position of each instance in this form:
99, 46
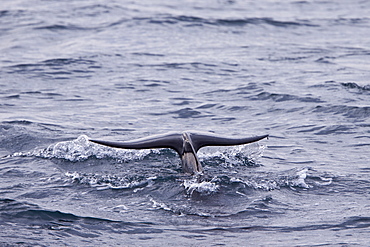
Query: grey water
120, 70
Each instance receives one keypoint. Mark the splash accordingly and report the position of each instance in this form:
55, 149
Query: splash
82, 149
203, 187
248, 155
159, 205
299, 179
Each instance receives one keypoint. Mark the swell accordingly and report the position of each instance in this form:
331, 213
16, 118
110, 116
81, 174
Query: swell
357, 112
355, 222
23, 213
20, 135
59, 68
278, 97
359, 88
228, 22
354, 111
14, 210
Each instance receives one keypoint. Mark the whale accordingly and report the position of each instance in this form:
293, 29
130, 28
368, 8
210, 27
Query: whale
186, 144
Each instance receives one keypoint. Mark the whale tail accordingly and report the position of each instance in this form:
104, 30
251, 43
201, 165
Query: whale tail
186, 144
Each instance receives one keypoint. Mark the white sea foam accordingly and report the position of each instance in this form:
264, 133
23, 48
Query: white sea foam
299, 179
294, 178
102, 182
248, 154
81, 149
204, 187
159, 205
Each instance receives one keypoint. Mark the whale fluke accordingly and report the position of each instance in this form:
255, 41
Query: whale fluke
186, 144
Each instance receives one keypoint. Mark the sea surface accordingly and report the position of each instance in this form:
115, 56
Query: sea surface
120, 70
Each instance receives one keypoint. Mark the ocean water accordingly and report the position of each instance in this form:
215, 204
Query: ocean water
121, 70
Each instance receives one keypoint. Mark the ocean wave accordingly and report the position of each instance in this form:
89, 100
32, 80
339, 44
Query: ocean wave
58, 27
355, 222
188, 113
237, 22
364, 21
357, 112
24, 211
336, 129
277, 97
58, 68
52, 63
359, 88
19, 135
70, 224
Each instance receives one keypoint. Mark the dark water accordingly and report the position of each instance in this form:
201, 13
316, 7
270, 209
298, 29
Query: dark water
119, 70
